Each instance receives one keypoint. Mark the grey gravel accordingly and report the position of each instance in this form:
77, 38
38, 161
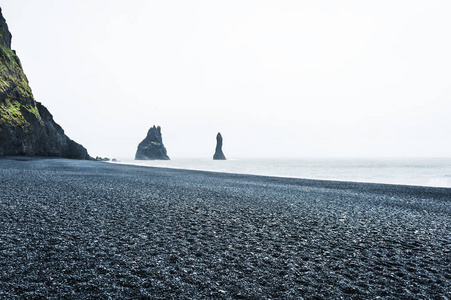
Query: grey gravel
83, 229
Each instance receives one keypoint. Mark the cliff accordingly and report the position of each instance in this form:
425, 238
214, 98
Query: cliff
152, 148
26, 126
219, 155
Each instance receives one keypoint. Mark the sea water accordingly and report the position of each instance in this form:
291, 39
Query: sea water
407, 171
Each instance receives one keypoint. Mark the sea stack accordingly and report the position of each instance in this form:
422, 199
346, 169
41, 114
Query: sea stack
152, 148
26, 126
219, 155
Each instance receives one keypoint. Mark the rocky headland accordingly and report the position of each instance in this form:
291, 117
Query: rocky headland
152, 148
27, 128
219, 155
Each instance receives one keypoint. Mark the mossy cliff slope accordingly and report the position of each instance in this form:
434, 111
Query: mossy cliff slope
26, 126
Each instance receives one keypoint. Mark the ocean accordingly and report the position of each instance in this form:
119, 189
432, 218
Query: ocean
406, 171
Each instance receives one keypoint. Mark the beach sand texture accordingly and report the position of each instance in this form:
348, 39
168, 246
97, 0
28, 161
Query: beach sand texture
83, 229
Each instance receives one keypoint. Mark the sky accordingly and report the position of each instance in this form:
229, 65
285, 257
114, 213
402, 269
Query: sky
285, 78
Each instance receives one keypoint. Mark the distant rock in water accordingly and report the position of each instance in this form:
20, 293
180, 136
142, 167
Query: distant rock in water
219, 155
152, 147
98, 158
26, 126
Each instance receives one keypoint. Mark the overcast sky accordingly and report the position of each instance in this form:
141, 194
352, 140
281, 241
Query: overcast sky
276, 78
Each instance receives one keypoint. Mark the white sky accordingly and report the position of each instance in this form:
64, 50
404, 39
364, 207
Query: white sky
277, 78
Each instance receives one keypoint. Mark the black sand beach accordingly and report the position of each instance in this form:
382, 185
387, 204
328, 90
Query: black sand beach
83, 229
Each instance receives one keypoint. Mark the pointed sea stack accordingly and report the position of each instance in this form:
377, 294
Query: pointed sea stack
152, 148
26, 126
219, 155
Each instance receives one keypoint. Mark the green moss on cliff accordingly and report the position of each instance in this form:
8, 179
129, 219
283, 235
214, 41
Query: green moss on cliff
10, 113
22, 129
15, 94
33, 109
12, 78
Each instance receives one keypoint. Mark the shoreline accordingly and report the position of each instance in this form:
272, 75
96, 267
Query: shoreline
305, 181
375, 176
90, 229
121, 163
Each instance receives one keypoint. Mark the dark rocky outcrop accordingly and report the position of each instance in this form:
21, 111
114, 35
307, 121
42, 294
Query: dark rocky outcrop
152, 148
219, 155
98, 158
26, 126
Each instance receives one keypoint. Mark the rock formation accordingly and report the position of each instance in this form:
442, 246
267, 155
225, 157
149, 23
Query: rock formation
26, 126
219, 155
152, 147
